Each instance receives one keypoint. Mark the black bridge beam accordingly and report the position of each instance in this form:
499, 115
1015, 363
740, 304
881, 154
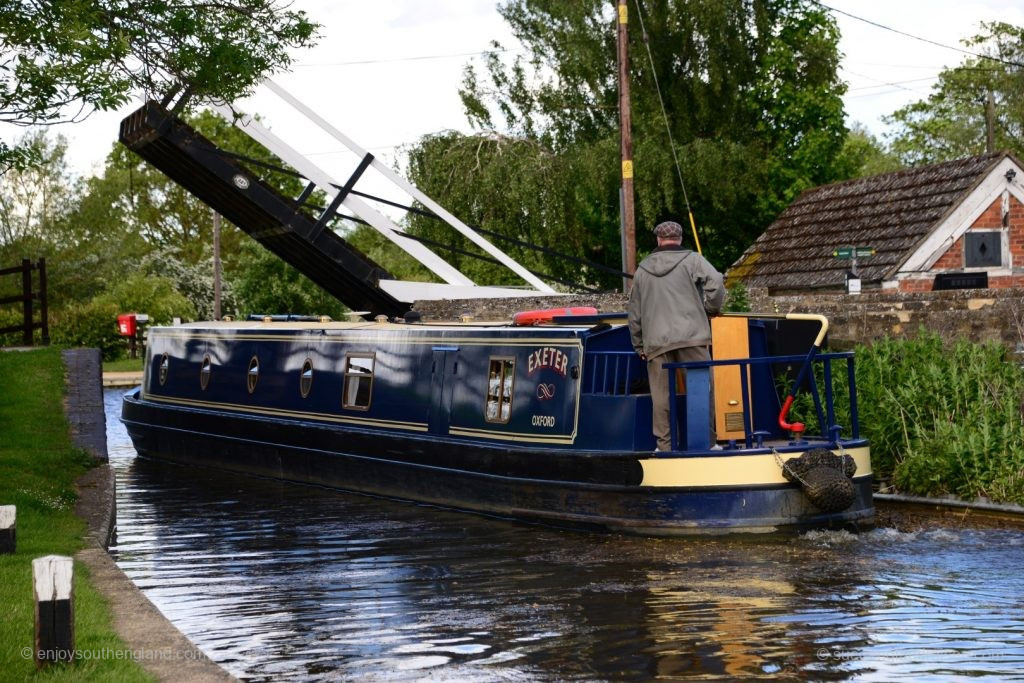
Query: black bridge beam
278, 223
332, 209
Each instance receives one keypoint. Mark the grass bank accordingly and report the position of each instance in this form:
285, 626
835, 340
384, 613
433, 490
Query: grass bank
123, 365
38, 468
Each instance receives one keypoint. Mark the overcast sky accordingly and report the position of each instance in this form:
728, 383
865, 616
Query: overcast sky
388, 72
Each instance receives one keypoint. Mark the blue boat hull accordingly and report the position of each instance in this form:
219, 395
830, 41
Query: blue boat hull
597, 490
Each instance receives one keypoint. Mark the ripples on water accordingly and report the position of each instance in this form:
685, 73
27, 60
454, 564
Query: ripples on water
275, 581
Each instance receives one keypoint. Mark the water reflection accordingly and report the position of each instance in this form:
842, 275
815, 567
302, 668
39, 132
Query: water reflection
276, 581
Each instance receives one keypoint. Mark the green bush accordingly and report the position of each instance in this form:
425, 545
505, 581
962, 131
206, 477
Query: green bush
153, 295
10, 316
93, 325
737, 299
942, 418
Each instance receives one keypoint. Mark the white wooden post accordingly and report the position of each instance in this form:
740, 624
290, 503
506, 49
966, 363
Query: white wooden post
55, 610
8, 542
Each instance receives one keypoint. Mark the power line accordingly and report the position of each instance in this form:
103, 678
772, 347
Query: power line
883, 93
923, 40
882, 84
925, 67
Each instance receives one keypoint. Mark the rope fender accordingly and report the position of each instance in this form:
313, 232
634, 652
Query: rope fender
824, 477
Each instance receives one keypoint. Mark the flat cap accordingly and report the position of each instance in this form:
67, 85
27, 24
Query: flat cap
669, 229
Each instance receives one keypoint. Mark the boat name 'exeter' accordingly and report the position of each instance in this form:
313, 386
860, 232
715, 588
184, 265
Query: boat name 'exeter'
548, 357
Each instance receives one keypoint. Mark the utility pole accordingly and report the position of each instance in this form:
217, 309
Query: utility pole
626, 138
216, 266
990, 123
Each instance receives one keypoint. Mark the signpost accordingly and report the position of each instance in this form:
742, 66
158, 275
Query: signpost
853, 253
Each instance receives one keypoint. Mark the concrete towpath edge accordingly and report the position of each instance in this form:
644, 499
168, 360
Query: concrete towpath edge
161, 649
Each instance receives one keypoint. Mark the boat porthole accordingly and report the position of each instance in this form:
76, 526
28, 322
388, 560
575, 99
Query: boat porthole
253, 376
204, 373
306, 378
165, 364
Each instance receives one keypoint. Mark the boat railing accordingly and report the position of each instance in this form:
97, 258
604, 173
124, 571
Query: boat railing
698, 409
612, 373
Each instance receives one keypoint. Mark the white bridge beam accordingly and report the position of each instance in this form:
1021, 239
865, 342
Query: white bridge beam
410, 189
323, 180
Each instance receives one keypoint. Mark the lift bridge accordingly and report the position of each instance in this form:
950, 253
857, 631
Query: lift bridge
299, 233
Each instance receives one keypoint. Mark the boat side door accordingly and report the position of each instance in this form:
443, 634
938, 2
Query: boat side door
442, 384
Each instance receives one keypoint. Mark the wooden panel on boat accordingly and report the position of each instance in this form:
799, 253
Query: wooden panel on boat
729, 339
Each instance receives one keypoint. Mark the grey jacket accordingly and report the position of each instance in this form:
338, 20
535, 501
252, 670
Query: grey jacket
674, 291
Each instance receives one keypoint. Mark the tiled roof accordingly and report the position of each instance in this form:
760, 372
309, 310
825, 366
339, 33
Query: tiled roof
892, 212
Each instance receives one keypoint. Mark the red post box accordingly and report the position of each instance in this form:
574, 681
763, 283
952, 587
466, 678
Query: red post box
126, 324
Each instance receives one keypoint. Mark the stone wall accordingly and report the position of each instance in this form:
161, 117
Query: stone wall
977, 315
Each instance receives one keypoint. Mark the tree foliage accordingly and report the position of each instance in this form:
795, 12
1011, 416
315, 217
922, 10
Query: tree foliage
864, 155
266, 284
133, 224
750, 92
33, 198
60, 61
515, 186
950, 124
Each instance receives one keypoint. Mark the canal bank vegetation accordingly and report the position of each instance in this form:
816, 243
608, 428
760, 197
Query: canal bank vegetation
943, 417
125, 364
38, 469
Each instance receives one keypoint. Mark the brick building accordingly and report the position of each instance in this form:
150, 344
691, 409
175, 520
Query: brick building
956, 224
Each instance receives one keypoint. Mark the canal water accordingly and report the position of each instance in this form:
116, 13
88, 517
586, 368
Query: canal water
279, 581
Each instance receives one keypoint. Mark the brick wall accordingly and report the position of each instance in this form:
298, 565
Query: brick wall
953, 258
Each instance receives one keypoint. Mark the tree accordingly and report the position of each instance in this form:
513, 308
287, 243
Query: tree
863, 155
62, 60
266, 285
515, 186
950, 124
193, 281
32, 199
749, 88
155, 296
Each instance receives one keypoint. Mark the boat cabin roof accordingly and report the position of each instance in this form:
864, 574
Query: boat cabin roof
259, 325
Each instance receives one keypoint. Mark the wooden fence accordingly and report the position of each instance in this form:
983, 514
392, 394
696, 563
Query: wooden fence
27, 299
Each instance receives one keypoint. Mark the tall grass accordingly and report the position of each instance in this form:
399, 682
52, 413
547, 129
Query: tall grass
943, 418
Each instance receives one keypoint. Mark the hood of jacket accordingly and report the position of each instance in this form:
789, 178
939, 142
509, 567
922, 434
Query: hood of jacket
664, 260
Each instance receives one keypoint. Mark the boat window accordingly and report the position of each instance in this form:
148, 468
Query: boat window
204, 373
358, 381
165, 365
500, 377
306, 378
253, 376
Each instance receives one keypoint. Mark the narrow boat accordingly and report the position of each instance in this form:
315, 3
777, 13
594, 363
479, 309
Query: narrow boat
549, 422
545, 417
